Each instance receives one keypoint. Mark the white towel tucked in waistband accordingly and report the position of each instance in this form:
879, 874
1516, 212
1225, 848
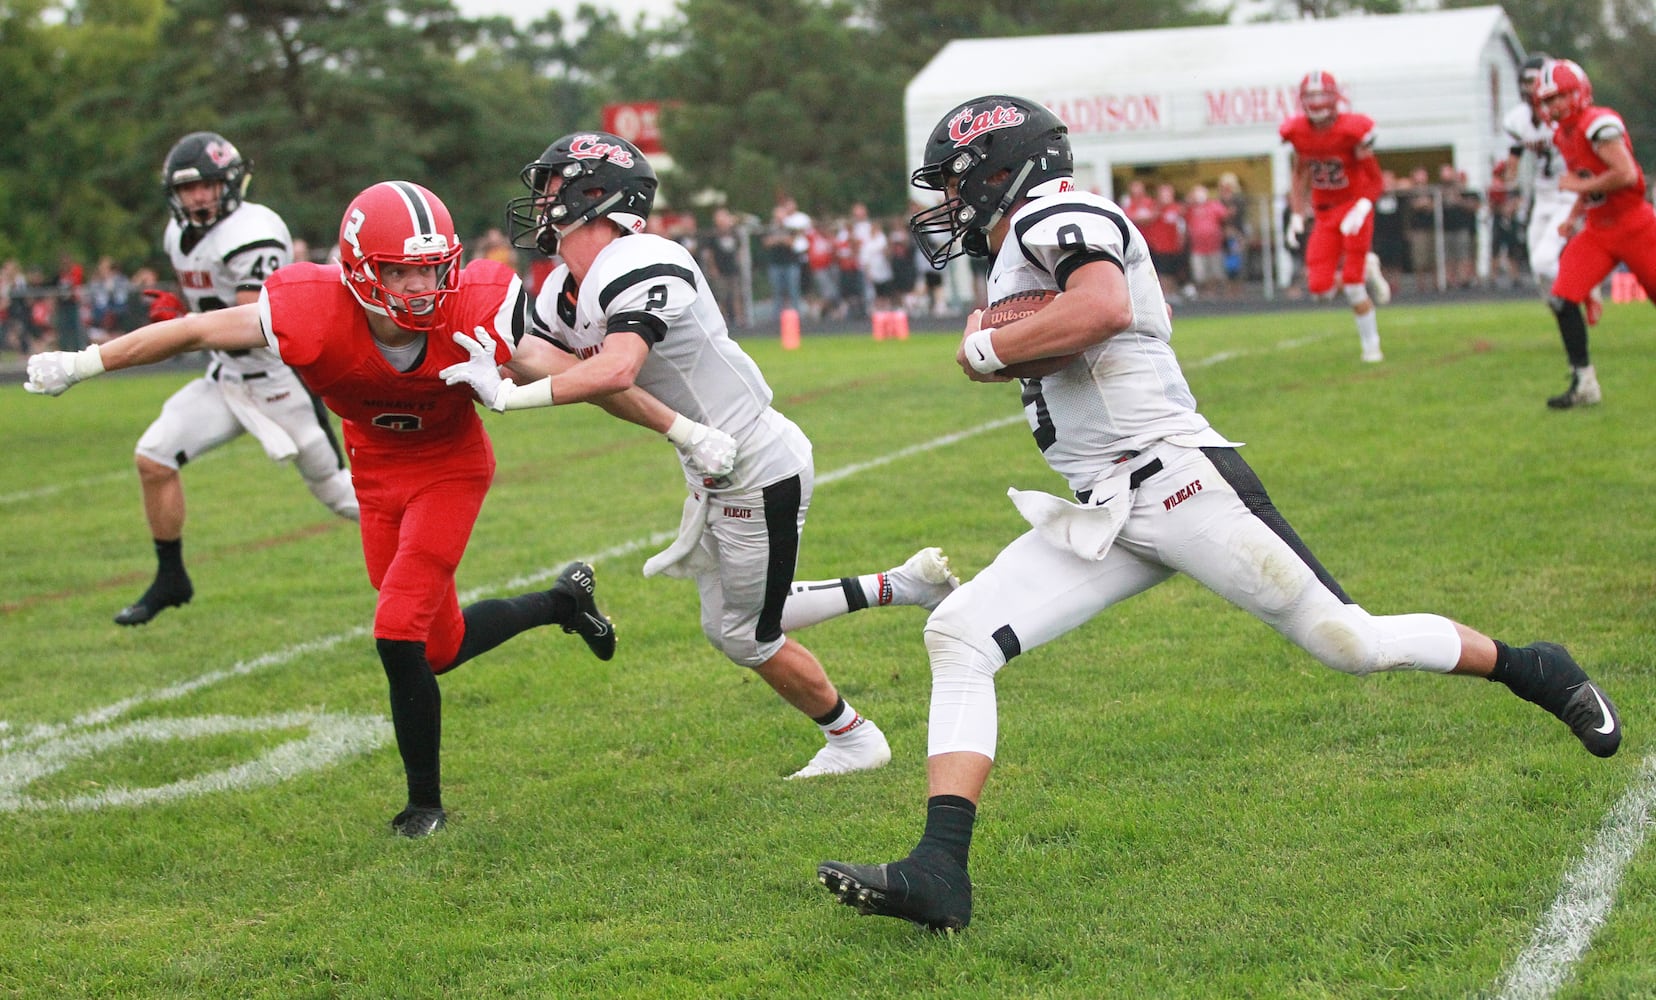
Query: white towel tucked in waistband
685, 558
275, 441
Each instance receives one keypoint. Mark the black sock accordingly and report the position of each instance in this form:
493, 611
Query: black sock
949, 822
490, 623
1522, 669
833, 713
416, 716
169, 558
1572, 327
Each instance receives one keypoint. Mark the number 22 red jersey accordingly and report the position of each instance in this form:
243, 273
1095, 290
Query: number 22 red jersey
1338, 175
321, 331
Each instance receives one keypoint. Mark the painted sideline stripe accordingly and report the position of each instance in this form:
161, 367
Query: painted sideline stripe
1588, 893
53, 489
39, 734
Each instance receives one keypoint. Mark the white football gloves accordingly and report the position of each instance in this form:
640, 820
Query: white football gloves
480, 370
1356, 216
53, 372
1295, 231
710, 452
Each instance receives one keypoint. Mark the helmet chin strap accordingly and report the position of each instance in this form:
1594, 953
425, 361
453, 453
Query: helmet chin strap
975, 241
563, 233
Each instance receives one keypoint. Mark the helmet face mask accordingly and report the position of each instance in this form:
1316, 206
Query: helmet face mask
204, 157
1529, 74
389, 227
984, 155
1319, 97
581, 177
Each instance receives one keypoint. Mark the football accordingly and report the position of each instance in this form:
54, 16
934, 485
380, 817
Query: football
1014, 307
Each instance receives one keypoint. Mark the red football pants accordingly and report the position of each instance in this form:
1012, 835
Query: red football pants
1593, 253
418, 509
1327, 247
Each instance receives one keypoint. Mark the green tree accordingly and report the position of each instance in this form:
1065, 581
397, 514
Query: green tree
70, 121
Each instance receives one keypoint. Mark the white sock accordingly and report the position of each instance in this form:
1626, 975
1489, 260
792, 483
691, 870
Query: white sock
1368, 331
816, 601
844, 726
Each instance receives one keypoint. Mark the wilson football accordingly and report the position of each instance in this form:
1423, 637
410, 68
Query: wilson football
1014, 307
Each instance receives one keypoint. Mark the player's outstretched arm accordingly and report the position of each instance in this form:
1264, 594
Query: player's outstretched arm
52, 373
709, 450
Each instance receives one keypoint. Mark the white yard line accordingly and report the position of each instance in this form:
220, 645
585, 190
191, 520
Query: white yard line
40, 734
1557, 943
1584, 901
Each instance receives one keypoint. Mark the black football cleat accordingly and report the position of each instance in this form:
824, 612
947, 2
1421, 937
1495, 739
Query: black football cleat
929, 890
1585, 708
419, 821
592, 625
165, 592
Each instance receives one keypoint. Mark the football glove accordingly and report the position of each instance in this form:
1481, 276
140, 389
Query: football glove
53, 372
710, 452
1295, 231
1355, 217
479, 370
164, 305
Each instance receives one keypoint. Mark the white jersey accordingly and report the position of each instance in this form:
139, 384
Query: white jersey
1526, 134
1125, 394
652, 287
236, 254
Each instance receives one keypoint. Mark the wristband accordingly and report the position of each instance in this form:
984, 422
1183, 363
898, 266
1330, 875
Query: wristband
980, 353
512, 396
681, 431
87, 363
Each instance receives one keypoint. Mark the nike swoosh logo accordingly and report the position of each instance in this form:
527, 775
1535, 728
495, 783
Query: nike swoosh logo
1609, 720
602, 626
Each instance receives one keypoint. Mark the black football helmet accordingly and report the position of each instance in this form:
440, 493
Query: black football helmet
205, 156
996, 149
601, 175
1529, 73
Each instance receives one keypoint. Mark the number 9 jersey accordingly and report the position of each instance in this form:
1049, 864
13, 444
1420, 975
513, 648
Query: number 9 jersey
1121, 395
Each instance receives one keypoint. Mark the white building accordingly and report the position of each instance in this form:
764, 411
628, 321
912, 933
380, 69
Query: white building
1183, 105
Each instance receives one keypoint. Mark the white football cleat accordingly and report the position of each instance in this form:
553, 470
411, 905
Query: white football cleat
866, 750
924, 579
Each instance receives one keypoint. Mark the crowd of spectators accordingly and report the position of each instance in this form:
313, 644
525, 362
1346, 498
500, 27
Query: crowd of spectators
847, 266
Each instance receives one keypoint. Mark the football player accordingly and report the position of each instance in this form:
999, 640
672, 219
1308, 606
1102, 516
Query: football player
1158, 491
1336, 174
1609, 189
628, 308
222, 249
360, 335
1530, 132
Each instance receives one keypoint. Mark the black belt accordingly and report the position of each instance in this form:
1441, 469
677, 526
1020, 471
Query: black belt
1134, 480
214, 374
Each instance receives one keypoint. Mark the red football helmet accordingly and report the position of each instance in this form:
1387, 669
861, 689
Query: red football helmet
1319, 96
1561, 76
398, 222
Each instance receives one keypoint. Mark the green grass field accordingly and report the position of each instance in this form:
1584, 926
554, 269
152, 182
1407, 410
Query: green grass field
1184, 806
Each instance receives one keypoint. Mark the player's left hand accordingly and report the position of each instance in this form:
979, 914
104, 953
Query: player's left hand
479, 370
1356, 216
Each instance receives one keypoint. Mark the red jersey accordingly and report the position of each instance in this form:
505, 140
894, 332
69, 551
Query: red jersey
321, 331
1338, 175
1576, 142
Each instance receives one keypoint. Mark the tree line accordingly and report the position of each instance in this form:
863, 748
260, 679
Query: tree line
327, 96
